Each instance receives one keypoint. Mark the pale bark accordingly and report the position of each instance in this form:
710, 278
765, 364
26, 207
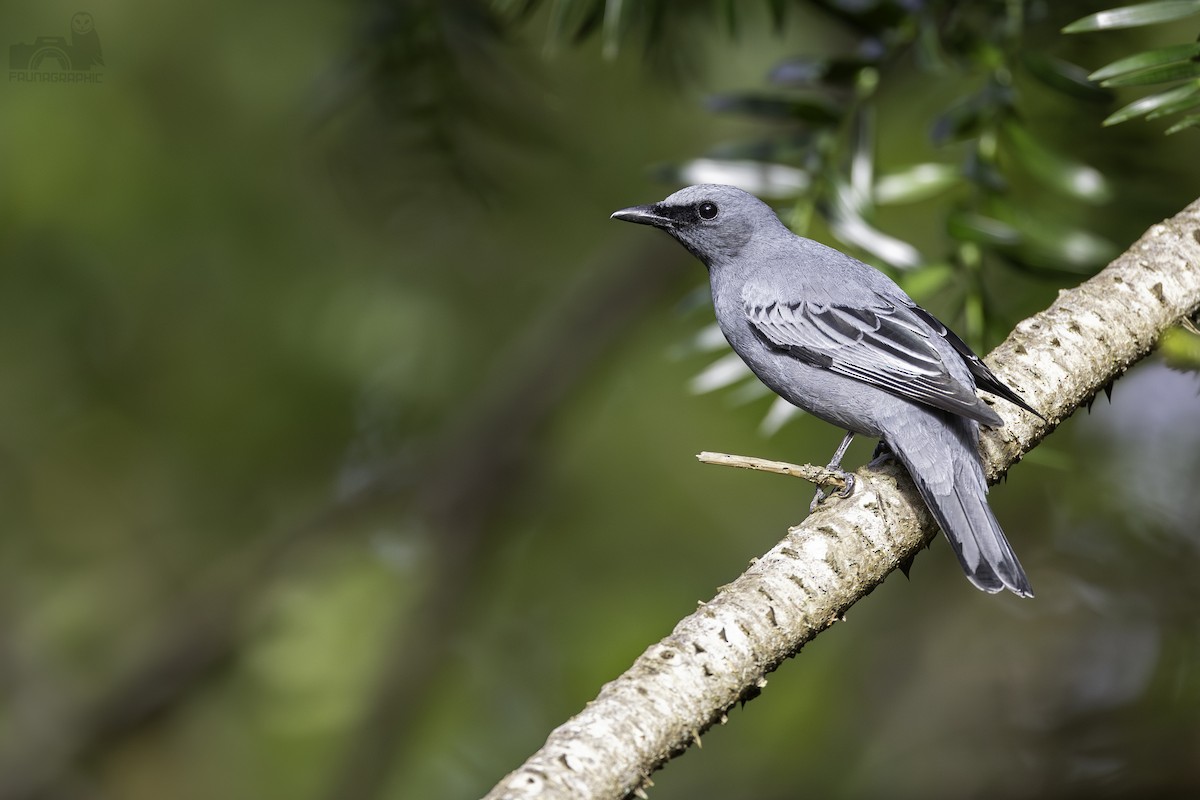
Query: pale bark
1057, 360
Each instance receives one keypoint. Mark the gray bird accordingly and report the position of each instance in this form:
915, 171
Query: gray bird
842, 341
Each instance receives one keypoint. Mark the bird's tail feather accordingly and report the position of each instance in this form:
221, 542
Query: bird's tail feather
950, 479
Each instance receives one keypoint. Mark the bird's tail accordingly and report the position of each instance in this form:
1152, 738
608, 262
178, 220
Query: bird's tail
941, 453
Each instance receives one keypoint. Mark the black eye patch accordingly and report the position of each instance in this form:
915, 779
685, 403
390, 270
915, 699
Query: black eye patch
681, 215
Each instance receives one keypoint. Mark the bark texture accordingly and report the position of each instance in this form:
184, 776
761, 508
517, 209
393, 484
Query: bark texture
1058, 360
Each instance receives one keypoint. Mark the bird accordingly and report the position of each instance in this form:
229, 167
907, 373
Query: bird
843, 342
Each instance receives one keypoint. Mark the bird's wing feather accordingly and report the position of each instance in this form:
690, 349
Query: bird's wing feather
985, 379
881, 344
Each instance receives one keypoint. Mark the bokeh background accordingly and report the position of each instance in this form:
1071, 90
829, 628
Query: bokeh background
346, 446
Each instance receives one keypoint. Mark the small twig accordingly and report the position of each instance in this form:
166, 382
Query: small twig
821, 476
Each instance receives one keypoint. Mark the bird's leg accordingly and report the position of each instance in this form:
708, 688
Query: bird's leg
835, 465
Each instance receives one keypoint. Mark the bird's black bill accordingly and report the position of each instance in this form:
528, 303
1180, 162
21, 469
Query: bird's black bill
644, 215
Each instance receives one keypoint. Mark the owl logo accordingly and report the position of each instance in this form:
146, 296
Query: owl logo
85, 42
55, 54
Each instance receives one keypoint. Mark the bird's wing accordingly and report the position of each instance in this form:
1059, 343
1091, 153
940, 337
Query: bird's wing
881, 344
985, 379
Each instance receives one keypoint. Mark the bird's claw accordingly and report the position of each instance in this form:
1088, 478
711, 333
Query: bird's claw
845, 491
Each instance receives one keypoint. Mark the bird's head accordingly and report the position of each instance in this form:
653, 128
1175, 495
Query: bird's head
713, 221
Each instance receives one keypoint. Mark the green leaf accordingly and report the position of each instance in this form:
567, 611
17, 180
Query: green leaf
1185, 123
556, 30
983, 173
1160, 74
779, 10
926, 282
776, 108
914, 184
1186, 103
1063, 76
757, 177
1078, 248
968, 226
1150, 58
814, 71
1135, 16
862, 160
731, 20
1055, 170
1180, 349
725, 371
964, 119
960, 122
612, 28
1152, 102
849, 226
1050, 243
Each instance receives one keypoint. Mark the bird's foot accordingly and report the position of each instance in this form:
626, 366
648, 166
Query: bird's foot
845, 491
882, 454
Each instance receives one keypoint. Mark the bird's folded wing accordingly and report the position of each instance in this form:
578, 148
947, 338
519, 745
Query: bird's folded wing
882, 344
985, 379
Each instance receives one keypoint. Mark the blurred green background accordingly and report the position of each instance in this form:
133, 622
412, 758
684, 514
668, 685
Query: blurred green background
346, 446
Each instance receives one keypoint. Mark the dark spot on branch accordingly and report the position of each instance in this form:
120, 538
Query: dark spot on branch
698, 648
1157, 291
1196, 234
749, 694
724, 638
771, 616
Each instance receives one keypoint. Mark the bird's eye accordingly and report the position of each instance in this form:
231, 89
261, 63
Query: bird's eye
707, 210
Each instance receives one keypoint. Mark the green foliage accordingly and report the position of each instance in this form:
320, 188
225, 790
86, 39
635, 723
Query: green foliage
1152, 13
243, 354
1005, 192
1178, 64
1180, 347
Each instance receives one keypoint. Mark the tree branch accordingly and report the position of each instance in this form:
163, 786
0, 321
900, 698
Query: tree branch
821, 476
1058, 360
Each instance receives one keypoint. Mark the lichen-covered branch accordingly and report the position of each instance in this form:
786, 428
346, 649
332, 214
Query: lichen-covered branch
1058, 360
